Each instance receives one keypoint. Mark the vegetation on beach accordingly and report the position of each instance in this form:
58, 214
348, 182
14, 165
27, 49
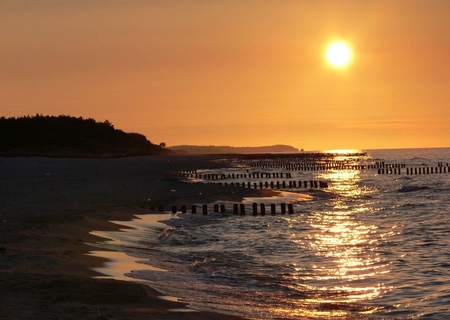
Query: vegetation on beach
70, 136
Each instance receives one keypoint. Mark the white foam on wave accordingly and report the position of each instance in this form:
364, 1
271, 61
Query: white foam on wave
283, 197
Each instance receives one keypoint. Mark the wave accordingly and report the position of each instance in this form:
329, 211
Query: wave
412, 188
165, 233
323, 195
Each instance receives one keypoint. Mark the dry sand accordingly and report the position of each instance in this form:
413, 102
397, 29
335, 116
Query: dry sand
48, 206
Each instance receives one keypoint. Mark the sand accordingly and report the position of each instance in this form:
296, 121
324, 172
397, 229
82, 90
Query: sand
48, 206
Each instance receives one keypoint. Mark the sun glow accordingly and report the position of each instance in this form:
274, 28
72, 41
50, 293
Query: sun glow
338, 54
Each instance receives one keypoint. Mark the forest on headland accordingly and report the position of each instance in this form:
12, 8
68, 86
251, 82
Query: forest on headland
67, 136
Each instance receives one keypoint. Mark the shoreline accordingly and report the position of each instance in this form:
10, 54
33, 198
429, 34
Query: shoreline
54, 274
50, 208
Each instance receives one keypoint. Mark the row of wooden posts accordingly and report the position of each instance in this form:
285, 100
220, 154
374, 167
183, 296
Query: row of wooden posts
293, 164
416, 170
382, 169
288, 167
278, 185
316, 166
222, 176
237, 209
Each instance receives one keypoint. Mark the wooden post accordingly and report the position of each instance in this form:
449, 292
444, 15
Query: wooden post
255, 208
205, 209
235, 208
291, 208
273, 209
183, 209
283, 208
194, 209
216, 207
263, 209
242, 208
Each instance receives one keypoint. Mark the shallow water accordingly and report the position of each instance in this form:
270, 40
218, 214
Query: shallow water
369, 246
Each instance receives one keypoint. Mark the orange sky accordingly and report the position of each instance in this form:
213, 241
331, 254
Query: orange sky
240, 73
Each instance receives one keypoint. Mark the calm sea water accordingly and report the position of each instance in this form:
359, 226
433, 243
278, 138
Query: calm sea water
370, 246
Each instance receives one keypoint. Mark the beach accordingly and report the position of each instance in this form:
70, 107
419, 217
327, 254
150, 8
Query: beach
84, 237
48, 208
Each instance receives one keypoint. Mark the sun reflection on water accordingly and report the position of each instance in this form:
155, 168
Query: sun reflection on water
345, 276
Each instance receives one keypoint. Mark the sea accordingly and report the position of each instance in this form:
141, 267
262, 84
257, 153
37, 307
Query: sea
374, 244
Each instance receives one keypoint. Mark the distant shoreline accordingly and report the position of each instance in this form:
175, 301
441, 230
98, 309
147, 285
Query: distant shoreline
64, 153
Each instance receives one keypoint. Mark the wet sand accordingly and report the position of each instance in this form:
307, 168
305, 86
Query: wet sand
48, 207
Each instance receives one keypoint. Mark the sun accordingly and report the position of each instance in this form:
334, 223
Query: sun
339, 54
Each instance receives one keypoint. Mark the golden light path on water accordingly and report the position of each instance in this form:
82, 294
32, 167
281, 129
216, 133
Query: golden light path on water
348, 267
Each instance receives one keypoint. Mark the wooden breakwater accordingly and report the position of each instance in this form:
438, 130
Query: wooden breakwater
381, 167
283, 184
312, 184
288, 166
415, 170
222, 176
236, 209
295, 165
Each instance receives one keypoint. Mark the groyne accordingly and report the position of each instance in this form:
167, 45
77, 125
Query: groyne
235, 208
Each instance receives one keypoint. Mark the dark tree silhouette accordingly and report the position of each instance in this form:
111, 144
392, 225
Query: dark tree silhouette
50, 134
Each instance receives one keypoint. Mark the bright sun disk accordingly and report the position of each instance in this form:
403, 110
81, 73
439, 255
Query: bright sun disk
338, 54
